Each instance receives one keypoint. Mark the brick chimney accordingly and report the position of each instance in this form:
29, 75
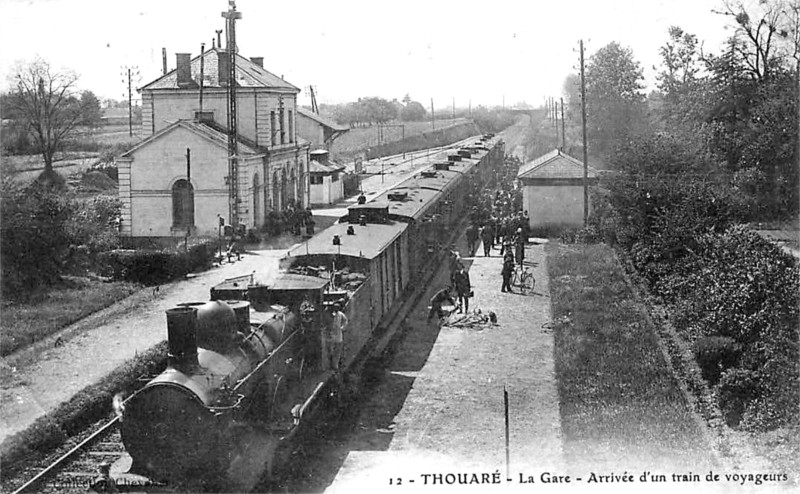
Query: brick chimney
258, 61
184, 70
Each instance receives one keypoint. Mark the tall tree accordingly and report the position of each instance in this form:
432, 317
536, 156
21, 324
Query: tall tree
90, 106
759, 33
413, 111
681, 64
45, 101
614, 97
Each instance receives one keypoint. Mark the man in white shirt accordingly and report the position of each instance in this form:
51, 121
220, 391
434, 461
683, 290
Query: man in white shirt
332, 339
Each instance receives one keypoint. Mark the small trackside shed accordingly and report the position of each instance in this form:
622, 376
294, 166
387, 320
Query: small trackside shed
552, 190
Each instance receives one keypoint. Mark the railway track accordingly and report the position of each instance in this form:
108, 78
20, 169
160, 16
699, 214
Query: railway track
85, 462
396, 161
77, 468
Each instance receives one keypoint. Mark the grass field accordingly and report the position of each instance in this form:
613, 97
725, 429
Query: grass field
23, 324
364, 137
619, 401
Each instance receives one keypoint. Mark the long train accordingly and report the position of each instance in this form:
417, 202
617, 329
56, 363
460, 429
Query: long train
251, 355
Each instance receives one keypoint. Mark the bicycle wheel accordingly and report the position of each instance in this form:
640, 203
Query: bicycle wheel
528, 283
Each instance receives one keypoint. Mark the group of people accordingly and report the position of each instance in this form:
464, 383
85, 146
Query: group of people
332, 323
496, 219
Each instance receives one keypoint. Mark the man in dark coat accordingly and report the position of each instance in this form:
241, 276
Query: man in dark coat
463, 288
520, 242
437, 300
506, 272
472, 238
487, 236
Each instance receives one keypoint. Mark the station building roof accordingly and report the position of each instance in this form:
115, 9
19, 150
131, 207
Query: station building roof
554, 165
248, 74
208, 130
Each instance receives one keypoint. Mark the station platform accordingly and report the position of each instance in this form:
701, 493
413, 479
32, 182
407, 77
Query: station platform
453, 419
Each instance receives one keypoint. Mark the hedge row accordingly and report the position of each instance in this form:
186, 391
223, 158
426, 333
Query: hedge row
89, 405
732, 294
156, 266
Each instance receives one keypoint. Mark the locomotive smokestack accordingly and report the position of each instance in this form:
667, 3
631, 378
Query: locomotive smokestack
182, 336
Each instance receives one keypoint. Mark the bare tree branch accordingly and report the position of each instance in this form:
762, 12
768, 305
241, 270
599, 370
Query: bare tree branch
45, 102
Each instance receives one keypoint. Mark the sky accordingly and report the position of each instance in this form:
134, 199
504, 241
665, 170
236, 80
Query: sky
467, 52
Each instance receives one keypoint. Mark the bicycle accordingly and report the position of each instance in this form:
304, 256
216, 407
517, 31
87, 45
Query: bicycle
523, 280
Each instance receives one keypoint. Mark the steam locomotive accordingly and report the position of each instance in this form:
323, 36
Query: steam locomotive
250, 354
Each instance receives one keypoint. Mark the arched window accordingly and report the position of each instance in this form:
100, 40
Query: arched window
257, 198
182, 204
284, 204
276, 192
292, 187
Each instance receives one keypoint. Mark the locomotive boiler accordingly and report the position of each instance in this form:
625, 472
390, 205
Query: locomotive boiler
180, 424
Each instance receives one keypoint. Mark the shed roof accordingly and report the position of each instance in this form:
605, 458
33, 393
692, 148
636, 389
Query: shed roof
248, 74
315, 166
368, 242
324, 121
554, 164
209, 132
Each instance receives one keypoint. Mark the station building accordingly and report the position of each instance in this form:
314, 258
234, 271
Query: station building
176, 181
552, 190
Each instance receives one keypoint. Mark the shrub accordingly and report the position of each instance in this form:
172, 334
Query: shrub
139, 266
152, 267
274, 223
33, 239
714, 355
737, 388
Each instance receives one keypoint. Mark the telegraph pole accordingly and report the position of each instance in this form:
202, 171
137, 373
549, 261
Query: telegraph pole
585, 149
231, 15
202, 75
555, 119
433, 116
563, 127
130, 72
130, 106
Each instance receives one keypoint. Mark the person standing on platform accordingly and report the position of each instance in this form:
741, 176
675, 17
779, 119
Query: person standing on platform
487, 236
333, 339
472, 238
506, 272
463, 288
520, 242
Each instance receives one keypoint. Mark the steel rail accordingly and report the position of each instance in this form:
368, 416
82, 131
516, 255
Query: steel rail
69, 454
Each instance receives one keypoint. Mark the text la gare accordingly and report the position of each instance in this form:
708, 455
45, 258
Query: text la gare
545, 478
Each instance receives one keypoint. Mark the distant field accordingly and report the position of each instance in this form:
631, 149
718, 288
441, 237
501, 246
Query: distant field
93, 142
89, 144
364, 137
